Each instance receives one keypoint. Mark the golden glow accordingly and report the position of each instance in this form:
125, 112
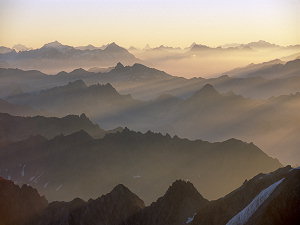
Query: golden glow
141, 22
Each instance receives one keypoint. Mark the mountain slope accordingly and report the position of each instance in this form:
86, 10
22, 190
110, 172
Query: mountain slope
223, 210
14, 128
97, 101
109, 209
60, 168
180, 202
271, 70
283, 205
19, 204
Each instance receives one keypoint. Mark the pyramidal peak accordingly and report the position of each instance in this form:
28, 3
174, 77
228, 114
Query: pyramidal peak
54, 44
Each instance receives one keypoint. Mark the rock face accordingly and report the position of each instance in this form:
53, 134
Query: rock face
109, 209
19, 205
278, 194
176, 207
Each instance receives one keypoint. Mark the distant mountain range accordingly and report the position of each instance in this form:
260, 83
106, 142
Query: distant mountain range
275, 69
256, 81
196, 60
78, 165
195, 46
16, 128
54, 56
266, 199
233, 115
98, 101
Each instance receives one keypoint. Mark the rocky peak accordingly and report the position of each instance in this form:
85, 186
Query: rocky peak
119, 66
207, 91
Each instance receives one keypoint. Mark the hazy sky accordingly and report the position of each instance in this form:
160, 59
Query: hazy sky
138, 22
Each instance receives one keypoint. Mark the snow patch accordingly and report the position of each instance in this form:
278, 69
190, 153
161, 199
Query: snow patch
46, 185
59, 187
243, 216
23, 171
137, 177
190, 219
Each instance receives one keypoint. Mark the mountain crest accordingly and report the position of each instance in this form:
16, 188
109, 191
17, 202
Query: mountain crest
119, 66
113, 47
182, 188
54, 44
77, 84
207, 90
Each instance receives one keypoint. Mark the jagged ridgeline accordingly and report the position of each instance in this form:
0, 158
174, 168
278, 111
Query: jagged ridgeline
266, 199
65, 158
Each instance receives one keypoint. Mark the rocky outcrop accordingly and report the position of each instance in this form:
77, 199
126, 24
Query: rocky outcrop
19, 205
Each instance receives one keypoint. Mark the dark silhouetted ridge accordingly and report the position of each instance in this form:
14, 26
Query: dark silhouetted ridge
207, 91
19, 205
119, 66
180, 202
110, 209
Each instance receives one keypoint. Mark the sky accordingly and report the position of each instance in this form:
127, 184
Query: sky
154, 22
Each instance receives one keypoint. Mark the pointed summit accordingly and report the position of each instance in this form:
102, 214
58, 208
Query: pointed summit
78, 71
119, 66
197, 47
207, 91
180, 195
182, 188
54, 44
120, 188
113, 47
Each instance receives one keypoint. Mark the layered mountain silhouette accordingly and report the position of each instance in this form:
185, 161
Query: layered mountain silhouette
274, 69
200, 60
271, 198
97, 101
206, 113
77, 165
257, 80
54, 57
16, 128
110, 209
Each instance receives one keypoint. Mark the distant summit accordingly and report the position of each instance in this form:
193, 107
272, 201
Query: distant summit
54, 44
119, 66
114, 47
207, 91
261, 44
20, 48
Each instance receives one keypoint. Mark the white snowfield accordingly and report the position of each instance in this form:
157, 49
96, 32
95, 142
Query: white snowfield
243, 216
